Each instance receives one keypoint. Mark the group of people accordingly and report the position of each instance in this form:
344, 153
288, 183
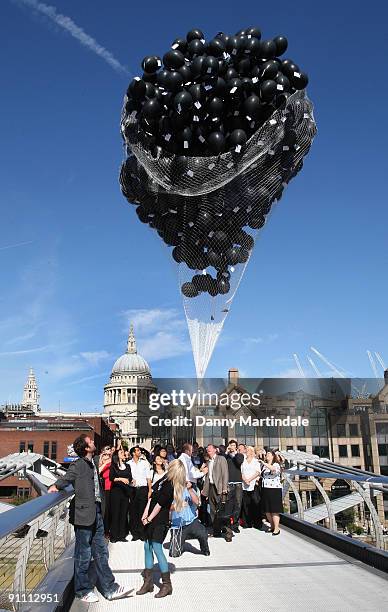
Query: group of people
197, 493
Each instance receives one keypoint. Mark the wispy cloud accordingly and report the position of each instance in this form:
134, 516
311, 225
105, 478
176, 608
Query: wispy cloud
39, 349
14, 246
78, 33
95, 357
161, 333
255, 340
86, 379
22, 338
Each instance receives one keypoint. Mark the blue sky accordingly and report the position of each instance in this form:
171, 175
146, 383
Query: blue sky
75, 263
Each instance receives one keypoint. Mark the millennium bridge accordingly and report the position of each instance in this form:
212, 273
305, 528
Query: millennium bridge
313, 565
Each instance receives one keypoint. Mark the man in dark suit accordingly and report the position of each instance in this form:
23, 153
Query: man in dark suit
86, 514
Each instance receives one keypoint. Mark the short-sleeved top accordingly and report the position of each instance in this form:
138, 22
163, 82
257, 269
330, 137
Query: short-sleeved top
248, 470
271, 480
162, 494
188, 514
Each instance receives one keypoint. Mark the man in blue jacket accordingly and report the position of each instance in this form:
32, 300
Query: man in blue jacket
86, 514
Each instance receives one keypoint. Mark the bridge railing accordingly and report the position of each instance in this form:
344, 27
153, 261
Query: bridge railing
32, 537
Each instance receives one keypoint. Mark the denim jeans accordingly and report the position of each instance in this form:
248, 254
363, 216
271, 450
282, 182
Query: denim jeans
90, 541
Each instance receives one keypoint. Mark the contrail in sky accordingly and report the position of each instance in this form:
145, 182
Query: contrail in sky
13, 246
78, 33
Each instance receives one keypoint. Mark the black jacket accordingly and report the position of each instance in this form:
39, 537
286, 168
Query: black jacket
115, 472
82, 509
234, 467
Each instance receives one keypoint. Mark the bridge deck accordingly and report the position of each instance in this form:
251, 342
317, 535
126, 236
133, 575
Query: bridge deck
255, 572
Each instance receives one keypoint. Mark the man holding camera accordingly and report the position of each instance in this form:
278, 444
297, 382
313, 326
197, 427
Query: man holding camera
235, 461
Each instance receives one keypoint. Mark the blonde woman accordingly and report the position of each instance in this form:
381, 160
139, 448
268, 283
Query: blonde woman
250, 471
155, 519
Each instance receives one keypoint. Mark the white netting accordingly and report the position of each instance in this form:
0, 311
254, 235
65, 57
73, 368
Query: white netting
211, 209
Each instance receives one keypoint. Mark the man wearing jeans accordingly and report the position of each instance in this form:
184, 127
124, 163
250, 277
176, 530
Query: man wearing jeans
86, 514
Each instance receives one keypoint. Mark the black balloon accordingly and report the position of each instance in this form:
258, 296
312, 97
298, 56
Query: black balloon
238, 138
252, 106
215, 107
269, 69
152, 109
216, 142
173, 81
194, 34
189, 290
186, 73
180, 44
223, 286
256, 32
216, 47
173, 59
137, 89
151, 63
195, 47
299, 80
281, 43
268, 90
183, 101
267, 49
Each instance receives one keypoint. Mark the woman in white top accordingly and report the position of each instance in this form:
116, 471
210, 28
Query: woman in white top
250, 471
158, 469
272, 490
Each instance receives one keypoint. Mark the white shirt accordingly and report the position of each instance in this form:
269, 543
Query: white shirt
156, 476
192, 473
248, 470
141, 471
210, 465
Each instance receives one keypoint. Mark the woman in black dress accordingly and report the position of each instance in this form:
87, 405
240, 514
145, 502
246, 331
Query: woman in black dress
120, 476
156, 519
272, 502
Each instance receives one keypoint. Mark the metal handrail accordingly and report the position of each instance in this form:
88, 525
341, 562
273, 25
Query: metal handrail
19, 516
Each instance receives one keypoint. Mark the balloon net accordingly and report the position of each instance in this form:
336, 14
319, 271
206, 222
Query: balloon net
211, 209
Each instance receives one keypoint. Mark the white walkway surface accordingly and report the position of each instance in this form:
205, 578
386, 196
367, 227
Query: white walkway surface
256, 572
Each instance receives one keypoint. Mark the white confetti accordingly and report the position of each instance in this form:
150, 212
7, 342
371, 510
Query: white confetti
195, 118
297, 75
167, 137
236, 113
137, 79
236, 209
191, 224
201, 138
190, 173
159, 63
286, 148
209, 70
231, 268
249, 118
185, 144
233, 90
255, 80
238, 148
279, 87
197, 104
229, 165
176, 46
211, 166
207, 87
234, 52
252, 124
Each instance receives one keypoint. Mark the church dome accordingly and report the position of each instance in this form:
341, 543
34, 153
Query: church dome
131, 362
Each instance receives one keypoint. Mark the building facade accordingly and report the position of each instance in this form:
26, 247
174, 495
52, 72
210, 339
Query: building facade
126, 395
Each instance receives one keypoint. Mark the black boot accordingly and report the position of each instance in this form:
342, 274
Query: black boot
148, 584
166, 588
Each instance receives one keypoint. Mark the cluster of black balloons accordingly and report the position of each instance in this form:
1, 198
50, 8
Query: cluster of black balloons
205, 98
211, 235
